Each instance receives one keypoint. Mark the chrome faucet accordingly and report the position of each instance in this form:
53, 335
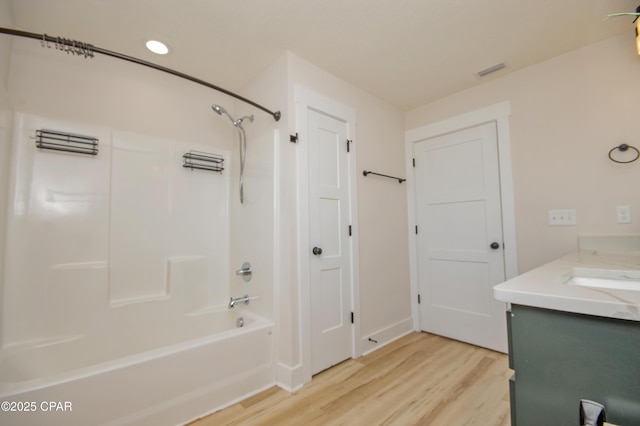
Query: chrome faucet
234, 301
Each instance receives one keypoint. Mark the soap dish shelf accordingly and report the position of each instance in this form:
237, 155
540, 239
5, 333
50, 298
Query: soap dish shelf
203, 161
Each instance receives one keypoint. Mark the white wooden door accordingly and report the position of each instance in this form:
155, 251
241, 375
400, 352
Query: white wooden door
459, 242
330, 252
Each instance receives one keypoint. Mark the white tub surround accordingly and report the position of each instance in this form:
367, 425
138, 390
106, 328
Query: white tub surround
117, 278
555, 285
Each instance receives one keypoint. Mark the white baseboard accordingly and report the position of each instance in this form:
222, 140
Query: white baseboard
289, 378
385, 336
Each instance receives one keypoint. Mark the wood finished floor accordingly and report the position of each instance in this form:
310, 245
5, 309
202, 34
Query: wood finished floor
420, 379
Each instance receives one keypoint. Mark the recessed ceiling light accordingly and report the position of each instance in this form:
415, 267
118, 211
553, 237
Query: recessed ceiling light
157, 47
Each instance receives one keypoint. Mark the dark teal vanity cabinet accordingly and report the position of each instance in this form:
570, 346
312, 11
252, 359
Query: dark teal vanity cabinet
560, 358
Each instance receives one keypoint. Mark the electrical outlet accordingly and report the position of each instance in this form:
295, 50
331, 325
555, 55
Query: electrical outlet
562, 217
624, 214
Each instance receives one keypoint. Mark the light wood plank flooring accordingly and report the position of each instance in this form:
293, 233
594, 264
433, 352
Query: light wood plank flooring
420, 379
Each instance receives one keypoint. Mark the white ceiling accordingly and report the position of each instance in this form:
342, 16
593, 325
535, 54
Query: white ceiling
407, 52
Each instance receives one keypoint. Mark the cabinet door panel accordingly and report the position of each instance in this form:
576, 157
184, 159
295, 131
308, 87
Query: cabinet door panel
561, 358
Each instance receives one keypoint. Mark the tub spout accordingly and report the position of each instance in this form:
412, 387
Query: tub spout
234, 301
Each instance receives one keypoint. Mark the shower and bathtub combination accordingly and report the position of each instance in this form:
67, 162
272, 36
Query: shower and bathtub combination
120, 300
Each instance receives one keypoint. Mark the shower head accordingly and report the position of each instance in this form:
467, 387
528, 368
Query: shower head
238, 123
219, 110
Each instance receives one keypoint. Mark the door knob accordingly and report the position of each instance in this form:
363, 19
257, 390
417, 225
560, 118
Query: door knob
317, 251
495, 245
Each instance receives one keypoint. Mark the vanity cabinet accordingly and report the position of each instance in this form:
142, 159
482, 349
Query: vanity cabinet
560, 358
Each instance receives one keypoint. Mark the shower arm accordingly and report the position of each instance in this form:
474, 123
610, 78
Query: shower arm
74, 44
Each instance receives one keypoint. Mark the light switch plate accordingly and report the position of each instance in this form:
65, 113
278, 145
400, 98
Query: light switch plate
562, 217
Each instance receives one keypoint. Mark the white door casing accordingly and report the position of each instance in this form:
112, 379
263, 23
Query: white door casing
326, 193
441, 305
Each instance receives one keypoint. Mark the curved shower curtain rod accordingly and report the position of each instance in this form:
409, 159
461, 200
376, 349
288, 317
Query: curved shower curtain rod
86, 49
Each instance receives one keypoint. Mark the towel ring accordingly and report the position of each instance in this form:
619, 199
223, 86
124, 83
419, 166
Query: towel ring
624, 147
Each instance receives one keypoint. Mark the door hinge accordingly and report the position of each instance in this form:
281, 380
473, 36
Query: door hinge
293, 138
349, 145
418, 299
414, 162
352, 318
416, 229
349, 230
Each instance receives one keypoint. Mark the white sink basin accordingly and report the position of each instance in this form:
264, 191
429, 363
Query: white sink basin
606, 278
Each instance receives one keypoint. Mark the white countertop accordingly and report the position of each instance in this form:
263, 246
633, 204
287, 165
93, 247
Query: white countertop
546, 287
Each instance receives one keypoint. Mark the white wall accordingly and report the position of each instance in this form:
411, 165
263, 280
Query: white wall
114, 93
567, 113
6, 116
6, 20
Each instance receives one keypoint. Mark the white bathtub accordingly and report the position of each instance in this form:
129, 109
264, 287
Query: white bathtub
76, 381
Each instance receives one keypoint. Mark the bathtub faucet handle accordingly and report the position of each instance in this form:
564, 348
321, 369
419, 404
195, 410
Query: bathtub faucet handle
245, 272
